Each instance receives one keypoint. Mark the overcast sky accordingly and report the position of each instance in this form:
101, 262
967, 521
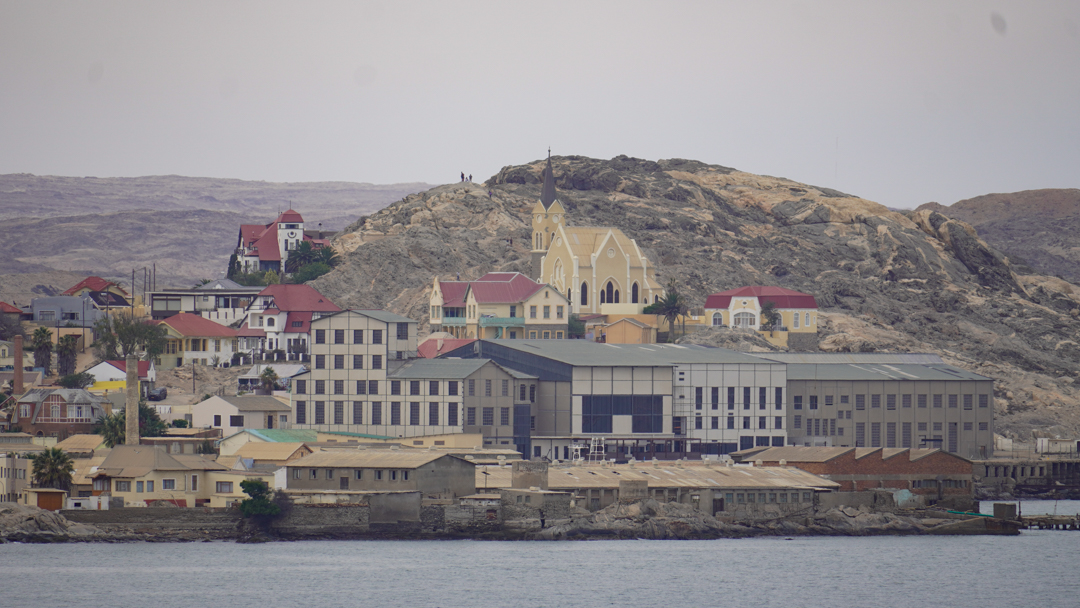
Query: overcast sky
900, 102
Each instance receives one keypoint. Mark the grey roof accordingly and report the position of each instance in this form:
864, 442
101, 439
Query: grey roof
547, 193
879, 372
70, 395
257, 403
587, 353
444, 369
380, 315
888, 358
282, 370
220, 284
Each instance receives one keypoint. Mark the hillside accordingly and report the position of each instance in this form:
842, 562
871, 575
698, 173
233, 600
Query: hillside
884, 280
1036, 228
188, 225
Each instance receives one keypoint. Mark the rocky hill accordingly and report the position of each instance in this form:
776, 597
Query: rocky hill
188, 225
885, 280
1036, 229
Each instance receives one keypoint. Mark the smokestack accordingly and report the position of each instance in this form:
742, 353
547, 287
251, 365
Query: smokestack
17, 381
131, 411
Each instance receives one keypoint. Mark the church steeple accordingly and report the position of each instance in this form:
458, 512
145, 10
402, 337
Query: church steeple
547, 194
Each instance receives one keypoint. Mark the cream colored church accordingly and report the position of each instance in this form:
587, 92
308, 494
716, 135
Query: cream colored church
601, 270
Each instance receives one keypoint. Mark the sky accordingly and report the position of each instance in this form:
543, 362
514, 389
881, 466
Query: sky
899, 102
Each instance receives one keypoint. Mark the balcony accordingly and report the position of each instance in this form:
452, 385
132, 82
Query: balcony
451, 322
502, 321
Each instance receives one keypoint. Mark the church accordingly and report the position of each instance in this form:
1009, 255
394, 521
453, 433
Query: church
600, 269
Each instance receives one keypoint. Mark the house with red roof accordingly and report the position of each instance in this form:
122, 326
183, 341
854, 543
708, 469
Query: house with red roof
742, 308
192, 338
499, 305
267, 246
96, 284
279, 318
116, 371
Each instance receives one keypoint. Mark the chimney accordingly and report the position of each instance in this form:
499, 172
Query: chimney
17, 381
131, 410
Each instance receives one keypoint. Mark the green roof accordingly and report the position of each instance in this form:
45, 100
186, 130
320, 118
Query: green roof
361, 435
284, 435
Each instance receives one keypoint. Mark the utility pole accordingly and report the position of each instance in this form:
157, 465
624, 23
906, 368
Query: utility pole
193, 376
131, 409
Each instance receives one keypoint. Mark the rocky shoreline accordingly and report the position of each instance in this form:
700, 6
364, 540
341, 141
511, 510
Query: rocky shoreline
648, 520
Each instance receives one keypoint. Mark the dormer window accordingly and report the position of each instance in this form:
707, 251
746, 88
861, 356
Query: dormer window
270, 322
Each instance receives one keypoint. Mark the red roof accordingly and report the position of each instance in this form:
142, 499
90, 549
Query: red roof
303, 318
290, 216
503, 288
93, 284
429, 349
453, 293
264, 237
144, 367
250, 332
780, 297
8, 308
187, 324
291, 298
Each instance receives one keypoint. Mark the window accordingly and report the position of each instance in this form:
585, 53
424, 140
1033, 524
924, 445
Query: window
320, 412
547, 335
968, 399
504, 416
358, 336
746, 422
320, 361
138, 486
890, 402
984, 426
217, 419
698, 423
433, 387
860, 434
778, 422
320, 387
489, 416
451, 414
378, 474
905, 401
414, 387
376, 336
762, 397
339, 387
402, 331
890, 434
715, 422
376, 361
746, 398
487, 388
358, 473
984, 400
921, 400
358, 361
122, 486
745, 320
968, 426
414, 413
532, 335
731, 422
339, 336
168, 484
953, 401
339, 412
358, 412
731, 398
395, 413
236, 420
875, 434
558, 312
320, 336
339, 361
796, 402
796, 324
301, 412
860, 404
532, 393
797, 422
395, 387
780, 398
532, 312
470, 416
547, 312
376, 412
433, 414
451, 388
521, 393
875, 402
301, 387
813, 402
699, 397
373, 387
937, 400
505, 388
806, 319
223, 487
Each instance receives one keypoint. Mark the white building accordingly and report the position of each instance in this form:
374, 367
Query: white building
279, 318
234, 414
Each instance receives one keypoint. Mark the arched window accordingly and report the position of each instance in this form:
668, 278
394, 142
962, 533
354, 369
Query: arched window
717, 319
610, 289
55, 410
656, 298
807, 323
634, 294
745, 319
584, 293
603, 294
552, 241
616, 301
796, 319
569, 297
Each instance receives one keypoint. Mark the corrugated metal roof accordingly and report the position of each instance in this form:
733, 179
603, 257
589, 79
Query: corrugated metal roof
81, 443
358, 458
435, 369
870, 372
586, 353
283, 435
879, 358
790, 454
269, 450
256, 403
663, 475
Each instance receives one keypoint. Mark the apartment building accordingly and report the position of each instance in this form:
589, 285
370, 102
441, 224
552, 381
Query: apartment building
499, 305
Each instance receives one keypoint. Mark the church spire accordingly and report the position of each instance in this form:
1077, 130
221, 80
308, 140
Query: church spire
547, 194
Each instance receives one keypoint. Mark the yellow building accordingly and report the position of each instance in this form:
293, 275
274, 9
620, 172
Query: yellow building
599, 269
741, 308
499, 305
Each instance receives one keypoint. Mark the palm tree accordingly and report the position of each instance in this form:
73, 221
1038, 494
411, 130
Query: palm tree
42, 344
52, 469
769, 317
303, 255
66, 349
113, 427
672, 306
328, 256
268, 378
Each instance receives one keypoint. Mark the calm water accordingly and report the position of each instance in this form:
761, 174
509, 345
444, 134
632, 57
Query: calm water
1037, 568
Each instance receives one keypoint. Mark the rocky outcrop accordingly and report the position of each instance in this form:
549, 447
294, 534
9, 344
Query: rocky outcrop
885, 280
25, 524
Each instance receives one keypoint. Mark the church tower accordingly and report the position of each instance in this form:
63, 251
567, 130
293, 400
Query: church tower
548, 214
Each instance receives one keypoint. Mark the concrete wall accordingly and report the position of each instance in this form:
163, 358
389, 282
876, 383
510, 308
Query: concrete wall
529, 474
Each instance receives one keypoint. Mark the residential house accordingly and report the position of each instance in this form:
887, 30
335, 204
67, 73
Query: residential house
272, 454
232, 443
81, 446
221, 301
742, 307
194, 339
95, 284
233, 414
108, 373
499, 305
438, 343
266, 246
65, 311
279, 318
145, 474
57, 412
625, 330
434, 475
10, 311
14, 476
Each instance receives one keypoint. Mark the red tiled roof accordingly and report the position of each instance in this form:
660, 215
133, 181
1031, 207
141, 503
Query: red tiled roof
289, 216
144, 367
780, 297
9, 309
93, 284
304, 318
429, 349
290, 298
187, 324
453, 293
503, 288
250, 332
268, 245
